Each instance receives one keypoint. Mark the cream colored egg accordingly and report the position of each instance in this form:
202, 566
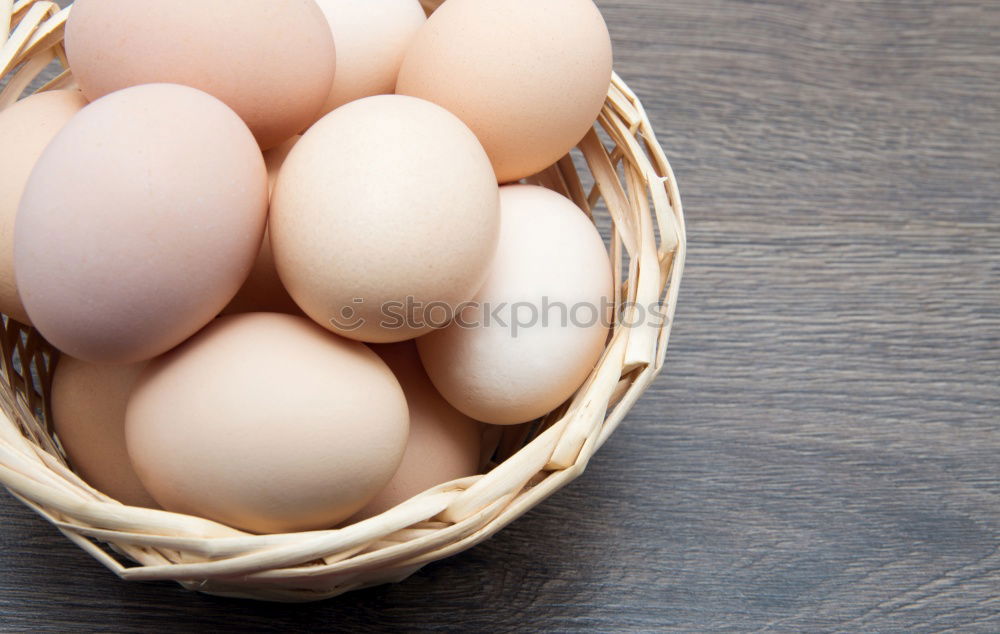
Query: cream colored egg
540, 321
528, 76
444, 444
271, 62
263, 291
139, 223
384, 218
26, 128
372, 37
267, 423
88, 415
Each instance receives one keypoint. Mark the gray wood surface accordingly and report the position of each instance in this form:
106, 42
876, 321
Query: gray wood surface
822, 450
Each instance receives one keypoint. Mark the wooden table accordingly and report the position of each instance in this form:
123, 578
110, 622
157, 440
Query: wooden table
823, 450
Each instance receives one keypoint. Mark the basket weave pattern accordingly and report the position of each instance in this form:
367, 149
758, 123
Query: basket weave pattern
633, 179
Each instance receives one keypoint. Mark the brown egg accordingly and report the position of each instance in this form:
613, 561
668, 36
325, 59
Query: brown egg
139, 223
267, 423
88, 415
540, 320
26, 128
271, 62
263, 291
528, 76
384, 218
444, 444
372, 37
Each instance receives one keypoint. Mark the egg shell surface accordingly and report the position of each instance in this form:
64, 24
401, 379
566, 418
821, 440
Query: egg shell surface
384, 218
372, 37
268, 423
26, 128
271, 62
444, 444
540, 321
528, 76
88, 415
139, 223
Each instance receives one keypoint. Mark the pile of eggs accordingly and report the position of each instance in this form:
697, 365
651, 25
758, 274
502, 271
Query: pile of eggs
211, 228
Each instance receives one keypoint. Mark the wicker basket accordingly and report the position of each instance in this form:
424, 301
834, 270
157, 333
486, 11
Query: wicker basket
628, 172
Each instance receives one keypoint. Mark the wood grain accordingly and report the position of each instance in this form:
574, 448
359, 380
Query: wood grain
822, 451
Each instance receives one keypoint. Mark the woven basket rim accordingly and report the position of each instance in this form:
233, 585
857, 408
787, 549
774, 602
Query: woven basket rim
648, 247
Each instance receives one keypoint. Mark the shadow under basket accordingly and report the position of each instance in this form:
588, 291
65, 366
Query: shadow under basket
622, 179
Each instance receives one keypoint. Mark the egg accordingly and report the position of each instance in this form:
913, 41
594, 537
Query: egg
384, 218
528, 77
444, 444
540, 322
263, 291
271, 62
139, 223
372, 37
267, 423
88, 416
26, 127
